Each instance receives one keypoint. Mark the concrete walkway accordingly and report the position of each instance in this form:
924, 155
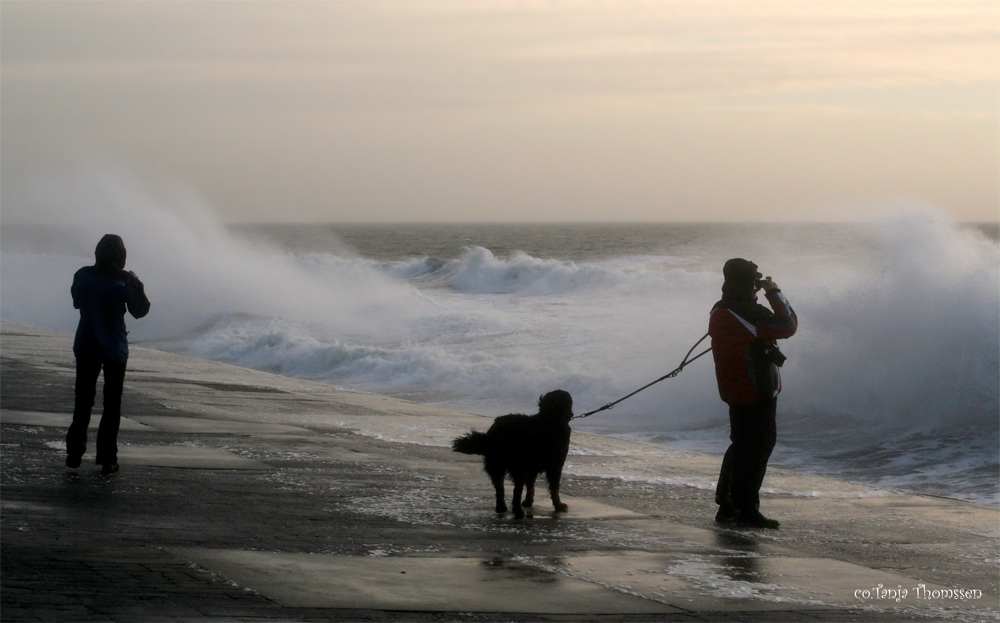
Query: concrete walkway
245, 496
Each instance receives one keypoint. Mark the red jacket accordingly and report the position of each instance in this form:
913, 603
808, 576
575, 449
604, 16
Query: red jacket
746, 354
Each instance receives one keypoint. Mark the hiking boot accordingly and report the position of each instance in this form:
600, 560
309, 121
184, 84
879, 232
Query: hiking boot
727, 514
755, 520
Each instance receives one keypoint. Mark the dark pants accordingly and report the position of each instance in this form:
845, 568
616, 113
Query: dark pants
87, 371
753, 432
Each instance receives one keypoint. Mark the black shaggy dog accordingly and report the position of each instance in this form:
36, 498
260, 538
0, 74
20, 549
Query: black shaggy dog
525, 446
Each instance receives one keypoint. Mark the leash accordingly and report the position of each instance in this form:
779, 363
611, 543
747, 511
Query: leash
687, 360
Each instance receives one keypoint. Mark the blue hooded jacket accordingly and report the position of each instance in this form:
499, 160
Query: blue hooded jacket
103, 293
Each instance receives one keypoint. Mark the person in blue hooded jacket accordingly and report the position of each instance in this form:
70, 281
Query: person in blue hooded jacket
103, 293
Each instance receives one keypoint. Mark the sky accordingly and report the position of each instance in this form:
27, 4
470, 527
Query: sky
540, 110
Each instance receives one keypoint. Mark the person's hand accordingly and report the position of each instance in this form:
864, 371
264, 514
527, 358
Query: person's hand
134, 279
768, 285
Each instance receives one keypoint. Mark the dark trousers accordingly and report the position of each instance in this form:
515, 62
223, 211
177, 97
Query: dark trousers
753, 432
87, 371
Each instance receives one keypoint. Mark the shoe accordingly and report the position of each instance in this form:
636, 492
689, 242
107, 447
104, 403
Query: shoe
755, 520
727, 514
73, 461
109, 468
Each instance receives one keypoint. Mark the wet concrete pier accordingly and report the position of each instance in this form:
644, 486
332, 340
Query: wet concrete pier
249, 496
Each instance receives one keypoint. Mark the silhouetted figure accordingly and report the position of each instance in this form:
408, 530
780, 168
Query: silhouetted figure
102, 293
524, 446
746, 367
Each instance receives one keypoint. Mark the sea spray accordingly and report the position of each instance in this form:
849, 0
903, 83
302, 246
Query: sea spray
892, 377
195, 270
910, 340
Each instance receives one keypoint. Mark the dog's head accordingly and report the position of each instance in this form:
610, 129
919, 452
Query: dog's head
557, 404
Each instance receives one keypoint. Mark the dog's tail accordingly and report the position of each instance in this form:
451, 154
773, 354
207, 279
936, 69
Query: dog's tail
473, 443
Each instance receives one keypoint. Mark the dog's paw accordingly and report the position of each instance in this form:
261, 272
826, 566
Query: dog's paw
561, 507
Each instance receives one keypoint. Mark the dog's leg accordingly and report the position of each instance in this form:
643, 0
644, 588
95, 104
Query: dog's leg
496, 475
518, 488
553, 477
529, 491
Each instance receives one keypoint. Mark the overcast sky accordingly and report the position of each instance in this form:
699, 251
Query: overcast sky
516, 111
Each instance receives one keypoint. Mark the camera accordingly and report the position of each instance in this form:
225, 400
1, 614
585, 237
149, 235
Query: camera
775, 356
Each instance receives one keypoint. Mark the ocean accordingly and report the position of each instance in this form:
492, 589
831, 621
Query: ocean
892, 379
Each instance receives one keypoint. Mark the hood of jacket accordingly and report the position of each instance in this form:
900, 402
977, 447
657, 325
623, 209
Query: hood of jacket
110, 253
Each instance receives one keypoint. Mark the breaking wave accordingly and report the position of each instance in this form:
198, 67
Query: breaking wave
898, 339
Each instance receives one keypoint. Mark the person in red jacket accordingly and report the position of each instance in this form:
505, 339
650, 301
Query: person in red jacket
747, 359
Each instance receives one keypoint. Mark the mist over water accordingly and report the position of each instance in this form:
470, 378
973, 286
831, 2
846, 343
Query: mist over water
892, 378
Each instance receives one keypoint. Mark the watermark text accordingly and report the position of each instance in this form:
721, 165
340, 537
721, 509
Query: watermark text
918, 593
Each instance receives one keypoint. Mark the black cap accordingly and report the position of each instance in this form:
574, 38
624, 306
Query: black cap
739, 270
